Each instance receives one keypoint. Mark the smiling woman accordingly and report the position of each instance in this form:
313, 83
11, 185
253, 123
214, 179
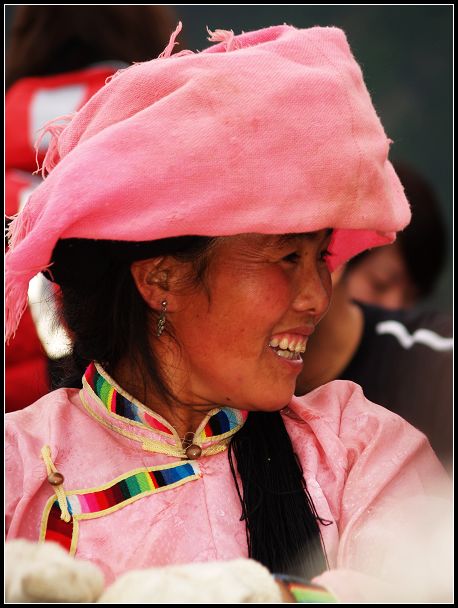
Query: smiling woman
194, 210
255, 293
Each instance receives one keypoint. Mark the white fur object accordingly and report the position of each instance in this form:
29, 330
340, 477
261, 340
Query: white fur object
235, 581
45, 572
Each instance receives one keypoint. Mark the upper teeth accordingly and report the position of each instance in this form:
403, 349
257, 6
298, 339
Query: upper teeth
292, 344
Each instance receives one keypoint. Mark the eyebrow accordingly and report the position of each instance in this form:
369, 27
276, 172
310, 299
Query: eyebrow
286, 238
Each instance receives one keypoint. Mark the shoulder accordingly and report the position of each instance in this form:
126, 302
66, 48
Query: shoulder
28, 430
40, 417
337, 433
339, 413
336, 401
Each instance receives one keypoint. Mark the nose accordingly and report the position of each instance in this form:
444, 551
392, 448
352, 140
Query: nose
314, 291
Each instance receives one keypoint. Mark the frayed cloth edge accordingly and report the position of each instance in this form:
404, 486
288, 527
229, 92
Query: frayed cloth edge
19, 227
54, 127
224, 36
169, 48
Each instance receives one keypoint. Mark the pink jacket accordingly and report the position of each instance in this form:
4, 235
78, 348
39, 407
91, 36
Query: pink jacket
136, 508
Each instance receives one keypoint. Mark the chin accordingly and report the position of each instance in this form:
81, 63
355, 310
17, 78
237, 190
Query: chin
270, 404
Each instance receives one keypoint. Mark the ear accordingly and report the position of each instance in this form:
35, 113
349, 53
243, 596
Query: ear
152, 278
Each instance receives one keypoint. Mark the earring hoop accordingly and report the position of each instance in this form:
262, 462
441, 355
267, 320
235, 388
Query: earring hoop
161, 320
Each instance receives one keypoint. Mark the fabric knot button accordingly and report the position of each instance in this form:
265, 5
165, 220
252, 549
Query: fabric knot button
193, 452
56, 479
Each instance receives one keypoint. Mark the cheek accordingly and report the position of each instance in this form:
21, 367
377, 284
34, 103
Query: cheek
252, 308
263, 297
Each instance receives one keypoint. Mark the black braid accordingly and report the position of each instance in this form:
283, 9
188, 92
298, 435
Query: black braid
281, 521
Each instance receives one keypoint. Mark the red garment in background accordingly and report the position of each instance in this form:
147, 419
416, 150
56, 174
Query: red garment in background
29, 104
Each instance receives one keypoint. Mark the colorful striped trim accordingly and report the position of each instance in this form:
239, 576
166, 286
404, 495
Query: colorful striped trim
310, 594
120, 404
225, 420
57, 529
120, 492
305, 592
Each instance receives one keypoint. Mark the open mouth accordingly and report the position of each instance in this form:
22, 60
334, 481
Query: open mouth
289, 346
287, 354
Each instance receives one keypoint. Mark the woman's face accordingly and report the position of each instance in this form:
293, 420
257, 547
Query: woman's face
241, 335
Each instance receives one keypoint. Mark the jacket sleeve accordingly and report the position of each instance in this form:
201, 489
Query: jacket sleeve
14, 477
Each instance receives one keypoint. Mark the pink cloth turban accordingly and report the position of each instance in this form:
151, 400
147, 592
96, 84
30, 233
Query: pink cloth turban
272, 131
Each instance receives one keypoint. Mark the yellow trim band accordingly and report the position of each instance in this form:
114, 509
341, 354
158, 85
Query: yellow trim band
59, 489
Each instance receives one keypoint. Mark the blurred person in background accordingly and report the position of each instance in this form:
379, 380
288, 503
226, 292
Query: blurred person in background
401, 275
401, 356
57, 58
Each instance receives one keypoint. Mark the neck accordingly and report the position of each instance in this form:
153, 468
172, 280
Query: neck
184, 417
333, 344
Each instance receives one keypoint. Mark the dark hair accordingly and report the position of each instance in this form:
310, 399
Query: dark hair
94, 277
53, 39
107, 318
423, 243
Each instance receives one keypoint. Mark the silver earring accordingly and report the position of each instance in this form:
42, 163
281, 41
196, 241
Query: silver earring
161, 320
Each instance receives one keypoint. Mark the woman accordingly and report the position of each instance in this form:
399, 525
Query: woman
184, 434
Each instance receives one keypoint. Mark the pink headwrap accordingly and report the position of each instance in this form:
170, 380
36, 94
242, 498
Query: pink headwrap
272, 131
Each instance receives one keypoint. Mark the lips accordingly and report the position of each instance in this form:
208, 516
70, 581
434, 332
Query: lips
303, 330
292, 338
288, 355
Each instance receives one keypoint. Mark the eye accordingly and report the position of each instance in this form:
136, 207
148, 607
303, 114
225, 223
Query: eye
292, 258
324, 255
379, 287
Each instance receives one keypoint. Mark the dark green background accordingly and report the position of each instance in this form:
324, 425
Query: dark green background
406, 56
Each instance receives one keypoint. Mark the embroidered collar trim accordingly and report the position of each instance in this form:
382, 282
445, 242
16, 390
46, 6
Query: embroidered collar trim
213, 433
